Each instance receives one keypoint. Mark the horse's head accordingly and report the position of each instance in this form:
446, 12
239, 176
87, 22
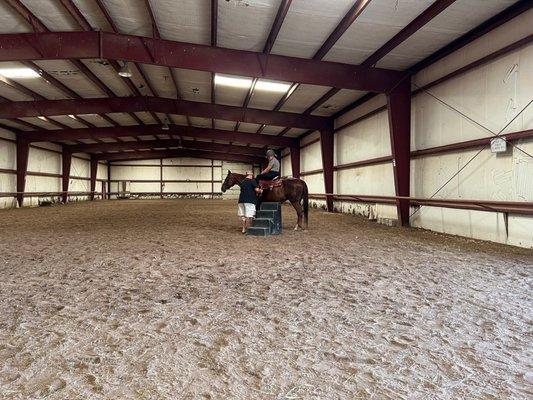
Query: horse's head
228, 182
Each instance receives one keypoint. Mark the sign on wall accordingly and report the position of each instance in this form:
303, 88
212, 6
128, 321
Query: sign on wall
498, 145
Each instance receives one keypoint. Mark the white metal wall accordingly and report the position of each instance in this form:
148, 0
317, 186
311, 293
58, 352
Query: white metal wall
44, 171
487, 94
179, 175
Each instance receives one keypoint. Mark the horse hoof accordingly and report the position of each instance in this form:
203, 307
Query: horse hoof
296, 228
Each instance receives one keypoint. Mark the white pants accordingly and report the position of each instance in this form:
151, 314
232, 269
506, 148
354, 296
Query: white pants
246, 210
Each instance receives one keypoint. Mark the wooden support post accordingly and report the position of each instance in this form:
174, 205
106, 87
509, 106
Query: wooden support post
399, 107
326, 146
66, 159
295, 161
94, 172
23, 149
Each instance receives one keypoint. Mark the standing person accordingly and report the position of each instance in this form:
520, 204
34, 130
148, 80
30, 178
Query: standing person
247, 200
272, 169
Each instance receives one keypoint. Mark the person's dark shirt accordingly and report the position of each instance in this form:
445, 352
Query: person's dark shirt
247, 191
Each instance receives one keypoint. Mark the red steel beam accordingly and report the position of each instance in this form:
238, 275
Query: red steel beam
399, 107
93, 175
155, 154
178, 130
162, 105
165, 143
431, 12
214, 40
66, 162
23, 149
295, 161
326, 147
83, 45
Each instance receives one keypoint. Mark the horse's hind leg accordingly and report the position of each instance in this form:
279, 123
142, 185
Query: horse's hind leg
300, 212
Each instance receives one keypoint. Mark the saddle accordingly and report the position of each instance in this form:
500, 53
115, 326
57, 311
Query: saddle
267, 185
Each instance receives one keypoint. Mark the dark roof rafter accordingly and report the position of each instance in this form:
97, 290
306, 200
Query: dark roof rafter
165, 143
162, 105
176, 130
148, 155
82, 45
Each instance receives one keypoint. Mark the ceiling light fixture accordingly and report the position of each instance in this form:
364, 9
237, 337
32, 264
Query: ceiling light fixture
18, 73
72, 116
125, 71
233, 81
272, 86
42, 118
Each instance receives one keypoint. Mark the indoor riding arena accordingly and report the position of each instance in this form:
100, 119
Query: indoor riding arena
266, 199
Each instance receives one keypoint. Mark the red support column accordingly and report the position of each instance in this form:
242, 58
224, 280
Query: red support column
295, 161
23, 149
326, 146
94, 172
66, 161
399, 107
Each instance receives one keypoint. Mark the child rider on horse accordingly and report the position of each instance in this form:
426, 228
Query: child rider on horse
272, 169
247, 200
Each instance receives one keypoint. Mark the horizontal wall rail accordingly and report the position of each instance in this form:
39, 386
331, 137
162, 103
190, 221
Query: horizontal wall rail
512, 207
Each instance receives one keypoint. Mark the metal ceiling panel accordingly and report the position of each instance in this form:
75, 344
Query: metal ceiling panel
200, 122
108, 76
14, 124
224, 125
245, 24
52, 14
379, 22
122, 119
194, 85
37, 85
178, 119
72, 77
307, 25
184, 21
303, 98
39, 122
160, 80
11, 21
92, 14
452, 23
265, 100
130, 16
338, 102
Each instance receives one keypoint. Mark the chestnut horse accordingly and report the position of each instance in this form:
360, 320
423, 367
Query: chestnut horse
291, 189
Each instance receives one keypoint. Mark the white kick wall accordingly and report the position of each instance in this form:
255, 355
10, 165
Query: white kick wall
44, 172
492, 95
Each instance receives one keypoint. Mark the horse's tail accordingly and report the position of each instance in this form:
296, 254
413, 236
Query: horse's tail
305, 201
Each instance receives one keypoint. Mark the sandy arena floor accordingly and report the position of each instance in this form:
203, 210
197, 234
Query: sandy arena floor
167, 300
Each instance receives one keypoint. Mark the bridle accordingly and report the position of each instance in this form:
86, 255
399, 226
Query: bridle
234, 176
